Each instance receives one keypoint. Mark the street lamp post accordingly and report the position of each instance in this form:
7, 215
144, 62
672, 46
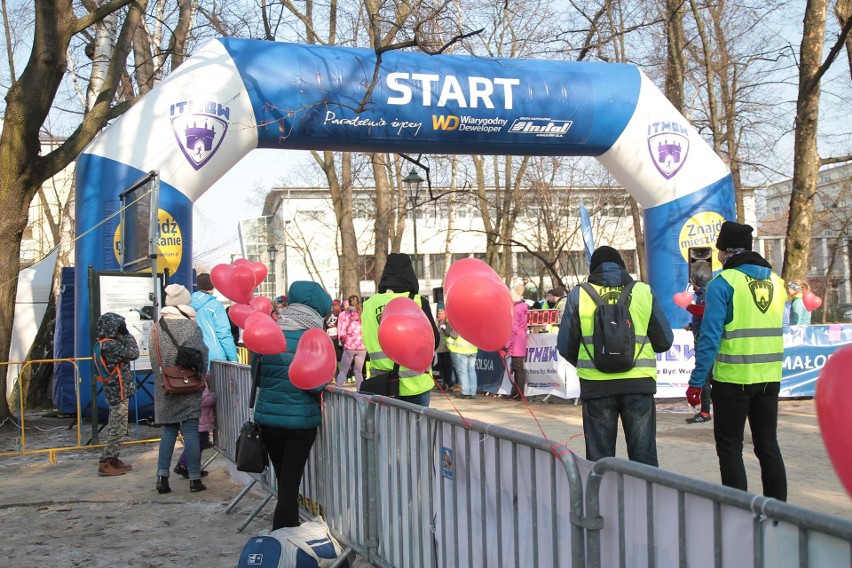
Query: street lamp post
272, 251
412, 188
286, 282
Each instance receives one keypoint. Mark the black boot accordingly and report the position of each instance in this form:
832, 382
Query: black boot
196, 485
163, 484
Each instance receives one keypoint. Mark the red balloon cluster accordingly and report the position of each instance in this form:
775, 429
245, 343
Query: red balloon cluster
315, 361
478, 304
811, 300
682, 299
833, 400
237, 282
406, 335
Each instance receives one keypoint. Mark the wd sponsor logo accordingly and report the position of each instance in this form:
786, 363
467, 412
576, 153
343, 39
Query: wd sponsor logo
467, 123
544, 128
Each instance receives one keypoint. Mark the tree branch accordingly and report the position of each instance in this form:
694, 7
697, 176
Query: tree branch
832, 55
97, 15
835, 160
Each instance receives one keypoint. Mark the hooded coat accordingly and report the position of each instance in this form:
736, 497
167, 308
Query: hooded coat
281, 404
215, 327
118, 348
180, 321
568, 342
398, 276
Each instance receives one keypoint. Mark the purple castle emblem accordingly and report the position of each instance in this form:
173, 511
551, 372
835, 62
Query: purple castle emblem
199, 129
668, 144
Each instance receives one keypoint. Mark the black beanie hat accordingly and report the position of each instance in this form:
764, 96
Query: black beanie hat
605, 254
734, 236
203, 282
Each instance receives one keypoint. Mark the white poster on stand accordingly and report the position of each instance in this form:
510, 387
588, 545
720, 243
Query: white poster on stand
126, 295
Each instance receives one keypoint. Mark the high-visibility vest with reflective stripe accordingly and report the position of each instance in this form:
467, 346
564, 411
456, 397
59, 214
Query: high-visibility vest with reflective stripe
461, 346
410, 382
641, 304
752, 346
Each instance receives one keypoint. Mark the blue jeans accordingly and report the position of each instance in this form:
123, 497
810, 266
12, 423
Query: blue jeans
732, 404
421, 399
465, 366
638, 419
189, 429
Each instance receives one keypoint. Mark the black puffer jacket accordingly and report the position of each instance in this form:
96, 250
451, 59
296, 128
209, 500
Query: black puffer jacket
117, 349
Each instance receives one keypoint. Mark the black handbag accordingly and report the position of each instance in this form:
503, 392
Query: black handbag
384, 384
250, 455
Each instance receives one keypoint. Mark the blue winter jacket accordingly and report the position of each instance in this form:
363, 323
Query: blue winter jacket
279, 403
215, 327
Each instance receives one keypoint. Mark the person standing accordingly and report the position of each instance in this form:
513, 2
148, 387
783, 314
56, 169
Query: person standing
629, 394
289, 416
214, 323
516, 349
699, 282
443, 359
742, 340
799, 314
354, 352
176, 328
111, 360
330, 326
463, 355
398, 281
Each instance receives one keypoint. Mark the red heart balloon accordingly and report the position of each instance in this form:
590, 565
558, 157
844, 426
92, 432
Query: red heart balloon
406, 336
235, 282
811, 300
261, 304
833, 400
464, 267
241, 261
260, 271
682, 299
262, 335
480, 308
238, 314
315, 361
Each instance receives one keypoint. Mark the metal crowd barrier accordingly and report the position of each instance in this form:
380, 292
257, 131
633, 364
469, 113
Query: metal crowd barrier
21, 442
407, 486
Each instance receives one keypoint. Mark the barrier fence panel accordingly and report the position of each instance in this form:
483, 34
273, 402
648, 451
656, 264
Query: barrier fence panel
654, 517
408, 486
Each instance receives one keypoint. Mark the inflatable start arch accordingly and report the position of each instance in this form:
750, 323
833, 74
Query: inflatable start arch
237, 95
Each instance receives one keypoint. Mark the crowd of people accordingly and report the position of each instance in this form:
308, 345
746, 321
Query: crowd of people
737, 321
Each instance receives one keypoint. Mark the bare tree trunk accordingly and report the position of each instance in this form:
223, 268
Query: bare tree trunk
806, 159
843, 12
675, 64
384, 213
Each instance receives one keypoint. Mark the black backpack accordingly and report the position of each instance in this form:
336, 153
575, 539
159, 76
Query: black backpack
614, 338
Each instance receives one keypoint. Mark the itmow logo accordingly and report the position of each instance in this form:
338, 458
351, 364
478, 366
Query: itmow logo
199, 128
668, 143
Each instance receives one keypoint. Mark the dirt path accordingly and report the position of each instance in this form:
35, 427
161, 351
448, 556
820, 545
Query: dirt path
62, 514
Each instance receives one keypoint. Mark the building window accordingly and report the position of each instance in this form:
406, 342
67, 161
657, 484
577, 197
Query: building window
366, 267
436, 267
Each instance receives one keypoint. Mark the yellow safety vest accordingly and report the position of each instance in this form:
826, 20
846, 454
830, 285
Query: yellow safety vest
752, 346
461, 345
410, 382
641, 304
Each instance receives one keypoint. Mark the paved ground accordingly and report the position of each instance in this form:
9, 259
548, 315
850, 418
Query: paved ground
62, 514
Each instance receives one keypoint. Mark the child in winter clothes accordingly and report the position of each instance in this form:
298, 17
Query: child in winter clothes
349, 333
206, 425
112, 367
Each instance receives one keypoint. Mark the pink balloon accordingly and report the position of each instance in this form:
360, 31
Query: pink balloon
260, 270
405, 334
235, 282
261, 304
243, 261
682, 299
464, 267
481, 310
238, 314
315, 361
262, 335
833, 400
811, 300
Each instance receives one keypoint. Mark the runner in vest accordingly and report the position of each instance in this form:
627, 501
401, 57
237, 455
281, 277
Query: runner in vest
742, 342
629, 395
398, 280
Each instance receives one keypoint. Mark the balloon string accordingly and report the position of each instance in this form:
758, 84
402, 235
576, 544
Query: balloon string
523, 398
467, 423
